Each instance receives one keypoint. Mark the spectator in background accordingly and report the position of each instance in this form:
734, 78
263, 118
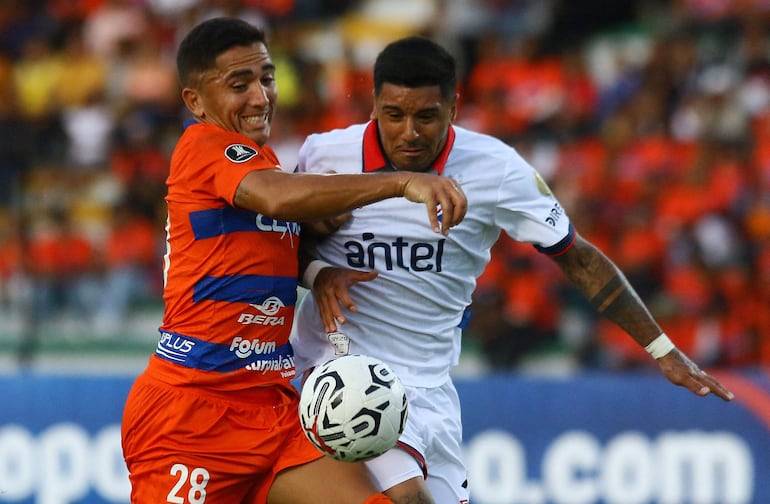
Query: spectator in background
130, 262
139, 160
87, 118
10, 260
63, 271
36, 76
113, 24
15, 144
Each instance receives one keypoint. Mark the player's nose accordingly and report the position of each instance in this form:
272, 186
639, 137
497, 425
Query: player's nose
410, 131
258, 95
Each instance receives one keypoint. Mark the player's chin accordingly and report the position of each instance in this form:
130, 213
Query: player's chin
412, 163
259, 135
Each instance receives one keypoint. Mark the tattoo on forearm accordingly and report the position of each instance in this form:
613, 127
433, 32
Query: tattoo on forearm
618, 302
608, 294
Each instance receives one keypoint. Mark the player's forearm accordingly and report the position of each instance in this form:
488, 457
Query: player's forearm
296, 197
609, 291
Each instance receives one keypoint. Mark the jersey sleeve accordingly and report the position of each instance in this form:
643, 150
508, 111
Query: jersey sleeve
303, 165
221, 159
229, 178
529, 212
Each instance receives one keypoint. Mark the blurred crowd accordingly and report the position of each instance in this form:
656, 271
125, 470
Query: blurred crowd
646, 118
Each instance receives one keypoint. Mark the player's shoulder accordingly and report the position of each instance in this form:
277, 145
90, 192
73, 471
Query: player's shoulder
483, 151
210, 133
210, 142
474, 141
336, 150
204, 138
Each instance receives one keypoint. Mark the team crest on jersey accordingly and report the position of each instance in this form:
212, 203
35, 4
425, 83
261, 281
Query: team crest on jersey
239, 153
542, 186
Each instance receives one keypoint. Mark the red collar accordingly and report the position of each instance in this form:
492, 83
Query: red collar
374, 158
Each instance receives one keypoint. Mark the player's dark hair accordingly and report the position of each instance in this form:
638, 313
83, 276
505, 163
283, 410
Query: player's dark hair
200, 48
416, 62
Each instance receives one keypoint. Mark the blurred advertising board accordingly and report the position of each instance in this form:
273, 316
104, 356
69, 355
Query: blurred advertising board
586, 439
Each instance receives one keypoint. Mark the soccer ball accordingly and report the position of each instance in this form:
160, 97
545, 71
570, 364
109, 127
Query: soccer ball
353, 408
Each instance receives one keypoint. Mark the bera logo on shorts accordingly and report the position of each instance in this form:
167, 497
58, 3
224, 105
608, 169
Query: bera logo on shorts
239, 153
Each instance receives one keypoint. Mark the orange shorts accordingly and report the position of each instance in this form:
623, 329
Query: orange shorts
186, 445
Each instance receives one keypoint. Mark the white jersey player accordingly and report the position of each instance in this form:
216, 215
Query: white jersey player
412, 314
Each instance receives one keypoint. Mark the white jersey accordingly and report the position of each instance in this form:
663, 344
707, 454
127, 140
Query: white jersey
411, 315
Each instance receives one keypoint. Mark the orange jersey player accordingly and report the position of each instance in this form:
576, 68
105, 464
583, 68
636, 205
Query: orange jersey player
231, 273
213, 418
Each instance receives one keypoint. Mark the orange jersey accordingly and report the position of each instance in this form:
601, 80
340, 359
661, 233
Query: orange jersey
230, 275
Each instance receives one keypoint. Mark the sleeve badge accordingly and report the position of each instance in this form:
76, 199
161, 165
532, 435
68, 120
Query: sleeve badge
239, 153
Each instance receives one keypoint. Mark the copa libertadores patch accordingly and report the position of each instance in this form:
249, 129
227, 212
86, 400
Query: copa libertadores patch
239, 153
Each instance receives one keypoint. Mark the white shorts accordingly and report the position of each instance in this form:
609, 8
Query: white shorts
433, 441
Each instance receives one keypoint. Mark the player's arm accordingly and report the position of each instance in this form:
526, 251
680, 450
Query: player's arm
306, 196
602, 282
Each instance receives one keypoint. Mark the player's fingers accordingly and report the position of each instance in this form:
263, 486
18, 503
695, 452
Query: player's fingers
326, 309
342, 291
701, 383
334, 294
344, 299
717, 388
698, 387
445, 211
338, 317
430, 205
357, 276
459, 206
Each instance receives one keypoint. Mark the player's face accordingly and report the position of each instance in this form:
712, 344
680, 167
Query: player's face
413, 124
239, 94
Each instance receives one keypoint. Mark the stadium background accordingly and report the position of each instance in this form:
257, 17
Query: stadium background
649, 120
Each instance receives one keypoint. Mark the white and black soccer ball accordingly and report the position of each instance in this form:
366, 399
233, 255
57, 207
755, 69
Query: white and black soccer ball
353, 407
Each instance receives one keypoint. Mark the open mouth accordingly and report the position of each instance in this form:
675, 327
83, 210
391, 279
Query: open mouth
256, 120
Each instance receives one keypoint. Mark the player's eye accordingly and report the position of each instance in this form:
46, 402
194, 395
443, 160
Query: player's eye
426, 117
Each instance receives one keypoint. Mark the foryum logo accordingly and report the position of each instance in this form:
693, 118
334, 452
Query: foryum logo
244, 348
239, 153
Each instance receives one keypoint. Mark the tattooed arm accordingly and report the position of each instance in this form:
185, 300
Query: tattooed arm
602, 282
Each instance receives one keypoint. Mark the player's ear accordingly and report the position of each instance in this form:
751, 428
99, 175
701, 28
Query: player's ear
193, 102
373, 114
453, 110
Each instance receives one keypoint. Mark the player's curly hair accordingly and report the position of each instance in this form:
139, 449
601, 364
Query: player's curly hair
414, 62
200, 48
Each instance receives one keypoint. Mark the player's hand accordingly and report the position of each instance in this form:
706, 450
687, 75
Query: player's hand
438, 192
682, 371
331, 293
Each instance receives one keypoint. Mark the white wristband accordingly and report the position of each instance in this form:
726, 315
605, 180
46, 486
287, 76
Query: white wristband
660, 346
312, 270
